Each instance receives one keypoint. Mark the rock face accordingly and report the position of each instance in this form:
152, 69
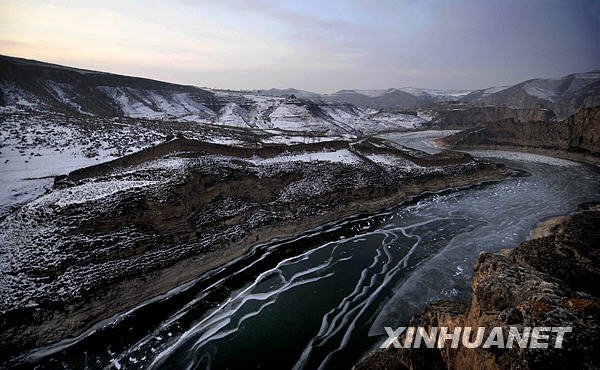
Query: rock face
549, 281
577, 137
448, 116
110, 236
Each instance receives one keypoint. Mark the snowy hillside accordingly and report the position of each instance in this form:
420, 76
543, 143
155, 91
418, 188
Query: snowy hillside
48, 87
437, 94
40, 87
35, 147
294, 114
564, 96
287, 92
392, 98
395, 98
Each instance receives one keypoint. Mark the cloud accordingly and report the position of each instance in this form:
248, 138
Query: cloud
314, 45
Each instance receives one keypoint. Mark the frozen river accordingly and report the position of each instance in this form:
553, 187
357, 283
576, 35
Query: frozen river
322, 299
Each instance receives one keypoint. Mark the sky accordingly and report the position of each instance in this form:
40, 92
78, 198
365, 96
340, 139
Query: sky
315, 45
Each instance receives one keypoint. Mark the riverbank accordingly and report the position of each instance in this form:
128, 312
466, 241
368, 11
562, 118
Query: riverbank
98, 245
547, 281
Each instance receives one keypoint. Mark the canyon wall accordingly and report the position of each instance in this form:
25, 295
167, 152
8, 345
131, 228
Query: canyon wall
448, 116
576, 138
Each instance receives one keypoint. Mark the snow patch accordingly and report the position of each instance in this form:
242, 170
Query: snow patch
340, 156
233, 115
493, 90
87, 192
391, 160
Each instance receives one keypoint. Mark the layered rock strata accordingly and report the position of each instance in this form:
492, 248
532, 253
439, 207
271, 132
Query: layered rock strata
576, 138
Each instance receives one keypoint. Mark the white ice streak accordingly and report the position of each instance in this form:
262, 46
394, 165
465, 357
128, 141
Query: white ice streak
362, 295
218, 319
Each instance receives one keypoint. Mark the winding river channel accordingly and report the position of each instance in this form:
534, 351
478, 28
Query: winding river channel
321, 300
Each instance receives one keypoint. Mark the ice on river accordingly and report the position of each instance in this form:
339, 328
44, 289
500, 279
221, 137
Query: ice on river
323, 299
340, 293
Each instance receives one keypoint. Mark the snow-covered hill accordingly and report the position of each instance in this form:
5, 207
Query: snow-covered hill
564, 96
295, 114
287, 92
50, 87
36, 86
394, 98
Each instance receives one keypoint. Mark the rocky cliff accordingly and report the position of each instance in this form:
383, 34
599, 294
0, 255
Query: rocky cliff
577, 137
448, 116
548, 281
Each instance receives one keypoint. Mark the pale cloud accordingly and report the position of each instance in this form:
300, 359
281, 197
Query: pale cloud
310, 44
88, 34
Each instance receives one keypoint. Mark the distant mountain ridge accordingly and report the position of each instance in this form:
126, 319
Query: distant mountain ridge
564, 96
30, 84
38, 86
288, 92
393, 98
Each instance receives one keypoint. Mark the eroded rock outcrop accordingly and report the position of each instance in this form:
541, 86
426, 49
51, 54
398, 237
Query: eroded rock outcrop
577, 137
549, 281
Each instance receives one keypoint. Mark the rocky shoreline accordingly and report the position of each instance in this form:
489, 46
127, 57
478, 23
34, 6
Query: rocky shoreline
547, 281
108, 238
